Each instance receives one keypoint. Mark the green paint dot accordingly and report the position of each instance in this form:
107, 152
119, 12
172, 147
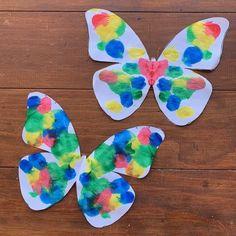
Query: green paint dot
105, 215
207, 55
33, 194
121, 29
105, 156
65, 143
34, 121
131, 68
174, 71
164, 96
120, 87
190, 34
101, 46
144, 155
137, 94
182, 93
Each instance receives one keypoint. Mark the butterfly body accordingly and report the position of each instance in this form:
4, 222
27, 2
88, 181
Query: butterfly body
180, 93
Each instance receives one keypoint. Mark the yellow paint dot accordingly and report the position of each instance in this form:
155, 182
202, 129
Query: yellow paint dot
171, 54
135, 144
33, 176
180, 83
185, 112
114, 201
136, 53
114, 106
48, 120
34, 138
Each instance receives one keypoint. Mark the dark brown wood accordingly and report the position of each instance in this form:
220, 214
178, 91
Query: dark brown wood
121, 5
49, 50
191, 187
168, 202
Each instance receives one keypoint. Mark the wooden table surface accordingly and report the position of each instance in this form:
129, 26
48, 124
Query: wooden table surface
191, 189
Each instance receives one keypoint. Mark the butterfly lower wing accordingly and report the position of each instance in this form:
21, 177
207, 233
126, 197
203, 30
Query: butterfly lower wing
198, 46
120, 89
111, 39
104, 199
130, 152
48, 127
182, 94
44, 181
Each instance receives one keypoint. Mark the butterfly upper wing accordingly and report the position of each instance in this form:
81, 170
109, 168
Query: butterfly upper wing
181, 93
111, 39
103, 199
199, 46
45, 178
120, 89
103, 195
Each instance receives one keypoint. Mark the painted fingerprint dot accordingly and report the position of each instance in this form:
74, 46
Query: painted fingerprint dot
70, 174
127, 197
114, 106
115, 49
196, 84
138, 82
33, 102
155, 139
173, 103
171, 54
192, 55
185, 112
174, 71
164, 84
38, 161
119, 186
26, 166
131, 68
126, 99
136, 53
108, 76
45, 105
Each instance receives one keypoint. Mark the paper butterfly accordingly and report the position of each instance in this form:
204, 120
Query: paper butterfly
180, 93
46, 177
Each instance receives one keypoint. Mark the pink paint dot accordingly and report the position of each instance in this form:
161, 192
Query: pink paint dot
144, 135
103, 199
48, 141
120, 161
45, 105
196, 83
108, 76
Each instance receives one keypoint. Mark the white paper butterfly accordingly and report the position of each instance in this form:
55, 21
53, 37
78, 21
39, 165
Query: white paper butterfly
181, 93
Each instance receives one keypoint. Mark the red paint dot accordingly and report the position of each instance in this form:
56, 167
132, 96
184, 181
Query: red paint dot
195, 84
100, 19
212, 29
108, 76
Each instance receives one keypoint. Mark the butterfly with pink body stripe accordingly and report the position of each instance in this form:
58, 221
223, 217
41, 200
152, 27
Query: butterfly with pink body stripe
181, 93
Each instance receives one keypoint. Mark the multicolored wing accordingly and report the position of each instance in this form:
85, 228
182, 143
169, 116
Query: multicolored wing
111, 39
103, 195
45, 178
182, 94
103, 199
44, 181
199, 46
120, 89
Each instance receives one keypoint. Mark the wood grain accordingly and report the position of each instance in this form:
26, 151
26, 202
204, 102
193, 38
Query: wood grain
121, 5
182, 203
191, 187
49, 50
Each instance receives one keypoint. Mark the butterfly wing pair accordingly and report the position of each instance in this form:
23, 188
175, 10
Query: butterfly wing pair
46, 177
181, 93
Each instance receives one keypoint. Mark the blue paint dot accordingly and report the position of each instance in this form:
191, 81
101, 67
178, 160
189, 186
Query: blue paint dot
33, 101
61, 122
164, 84
126, 99
192, 55
45, 197
119, 185
115, 49
92, 212
70, 173
51, 133
84, 178
155, 139
138, 82
127, 197
173, 103
121, 140
38, 161
26, 166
